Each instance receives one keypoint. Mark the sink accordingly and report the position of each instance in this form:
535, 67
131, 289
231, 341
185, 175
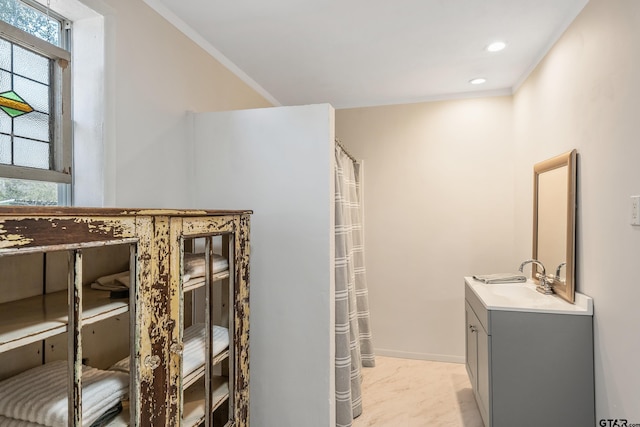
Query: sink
517, 291
524, 297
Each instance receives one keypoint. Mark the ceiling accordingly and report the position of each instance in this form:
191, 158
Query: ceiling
373, 52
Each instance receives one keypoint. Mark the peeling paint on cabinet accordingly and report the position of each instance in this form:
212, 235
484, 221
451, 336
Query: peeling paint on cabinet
156, 238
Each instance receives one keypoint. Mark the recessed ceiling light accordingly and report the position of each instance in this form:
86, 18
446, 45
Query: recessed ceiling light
496, 46
478, 81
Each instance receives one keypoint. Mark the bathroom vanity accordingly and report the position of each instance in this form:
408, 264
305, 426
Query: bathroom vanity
529, 356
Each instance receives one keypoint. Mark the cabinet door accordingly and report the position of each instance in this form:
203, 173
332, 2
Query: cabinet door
205, 325
471, 324
483, 372
214, 389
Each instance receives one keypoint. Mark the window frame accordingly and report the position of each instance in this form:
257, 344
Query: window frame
62, 147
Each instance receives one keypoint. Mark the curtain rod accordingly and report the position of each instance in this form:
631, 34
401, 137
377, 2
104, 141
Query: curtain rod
339, 144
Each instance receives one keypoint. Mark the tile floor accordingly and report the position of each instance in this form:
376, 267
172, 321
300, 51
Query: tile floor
417, 393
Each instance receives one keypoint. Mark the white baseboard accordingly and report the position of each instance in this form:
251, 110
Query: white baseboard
419, 356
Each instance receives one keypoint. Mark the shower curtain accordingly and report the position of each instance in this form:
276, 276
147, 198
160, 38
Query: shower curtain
353, 334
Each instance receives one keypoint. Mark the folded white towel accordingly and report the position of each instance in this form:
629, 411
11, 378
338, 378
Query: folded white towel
12, 422
193, 355
194, 265
194, 346
102, 421
112, 282
39, 395
123, 280
502, 278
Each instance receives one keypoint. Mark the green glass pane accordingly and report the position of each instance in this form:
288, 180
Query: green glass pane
31, 65
33, 125
12, 112
6, 99
34, 154
12, 95
34, 93
5, 149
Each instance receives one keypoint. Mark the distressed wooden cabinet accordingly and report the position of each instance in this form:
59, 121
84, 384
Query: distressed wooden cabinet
50, 314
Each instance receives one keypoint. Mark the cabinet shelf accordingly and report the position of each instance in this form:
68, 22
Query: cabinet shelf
193, 376
33, 319
198, 282
194, 404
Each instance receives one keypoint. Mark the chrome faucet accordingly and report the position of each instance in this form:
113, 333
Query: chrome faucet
533, 261
558, 272
544, 285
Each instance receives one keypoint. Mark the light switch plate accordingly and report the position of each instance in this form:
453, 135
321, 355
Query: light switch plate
635, 210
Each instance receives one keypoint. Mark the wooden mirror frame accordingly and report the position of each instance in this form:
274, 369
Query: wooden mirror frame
565, 289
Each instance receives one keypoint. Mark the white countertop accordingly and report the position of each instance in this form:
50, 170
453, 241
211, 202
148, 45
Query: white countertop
524, 297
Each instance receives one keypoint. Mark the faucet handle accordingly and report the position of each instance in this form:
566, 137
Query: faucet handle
545, 284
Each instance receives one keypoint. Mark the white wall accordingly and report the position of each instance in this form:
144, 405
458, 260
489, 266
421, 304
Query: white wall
438, 203
150, 77
89, 92
279, 163
585, 94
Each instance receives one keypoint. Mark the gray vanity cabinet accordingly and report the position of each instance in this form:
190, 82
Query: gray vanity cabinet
477, 352
529, 369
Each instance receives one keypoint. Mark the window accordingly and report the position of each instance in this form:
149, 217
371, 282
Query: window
35, 104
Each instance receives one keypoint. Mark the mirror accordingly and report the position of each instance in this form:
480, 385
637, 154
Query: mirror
554, 206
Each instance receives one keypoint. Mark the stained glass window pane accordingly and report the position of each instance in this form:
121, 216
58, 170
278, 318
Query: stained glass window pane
29, 94
5, 124
30, 64
5, 81
30, 153
33, 125
5, 55
5, 149
34, 93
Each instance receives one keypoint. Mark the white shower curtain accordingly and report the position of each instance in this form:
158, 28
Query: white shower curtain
353, 333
